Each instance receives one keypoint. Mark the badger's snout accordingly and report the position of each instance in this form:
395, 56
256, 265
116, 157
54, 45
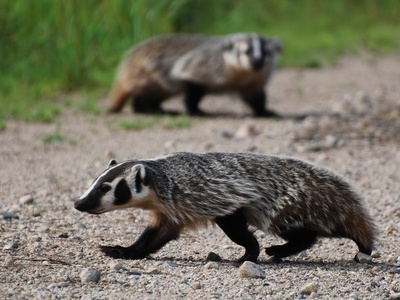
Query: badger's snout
86, 205
81, 205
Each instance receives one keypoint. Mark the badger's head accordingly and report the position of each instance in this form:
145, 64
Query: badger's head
120, 186
251, 51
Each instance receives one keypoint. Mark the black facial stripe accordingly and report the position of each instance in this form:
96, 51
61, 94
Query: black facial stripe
122, 193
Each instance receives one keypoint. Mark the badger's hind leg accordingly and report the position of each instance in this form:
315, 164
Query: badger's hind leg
297, 241
236, 228
146, 105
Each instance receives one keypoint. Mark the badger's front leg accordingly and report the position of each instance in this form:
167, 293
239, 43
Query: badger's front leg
155, 236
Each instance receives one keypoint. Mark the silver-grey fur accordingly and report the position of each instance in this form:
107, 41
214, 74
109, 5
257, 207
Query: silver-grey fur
275, 194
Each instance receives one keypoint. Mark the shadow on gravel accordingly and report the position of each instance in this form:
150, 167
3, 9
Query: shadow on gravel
306, 265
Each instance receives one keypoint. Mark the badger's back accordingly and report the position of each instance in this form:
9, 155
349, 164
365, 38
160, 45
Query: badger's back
149, 64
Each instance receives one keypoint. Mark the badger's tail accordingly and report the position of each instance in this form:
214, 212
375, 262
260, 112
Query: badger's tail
360, 227
118, 98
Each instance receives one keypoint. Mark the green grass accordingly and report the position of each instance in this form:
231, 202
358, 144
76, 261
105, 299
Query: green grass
177, 122
53, 137
52, 48
138, 123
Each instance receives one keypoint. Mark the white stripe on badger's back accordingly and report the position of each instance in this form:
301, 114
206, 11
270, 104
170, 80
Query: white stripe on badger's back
256, 47
102, 175
164, 156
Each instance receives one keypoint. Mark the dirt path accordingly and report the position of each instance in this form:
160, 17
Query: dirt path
346, 118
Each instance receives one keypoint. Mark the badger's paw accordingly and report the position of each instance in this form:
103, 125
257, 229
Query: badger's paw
122, 252
114, 251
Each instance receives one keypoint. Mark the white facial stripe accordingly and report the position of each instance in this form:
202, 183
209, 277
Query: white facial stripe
143, 193
256, 47
243, 47
108, 199
230, 59
99, 178
244, 62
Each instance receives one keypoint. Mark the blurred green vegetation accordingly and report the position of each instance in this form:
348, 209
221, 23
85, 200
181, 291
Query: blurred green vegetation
51, 48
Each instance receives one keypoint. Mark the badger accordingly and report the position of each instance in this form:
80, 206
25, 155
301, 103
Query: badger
286, 197
194, 65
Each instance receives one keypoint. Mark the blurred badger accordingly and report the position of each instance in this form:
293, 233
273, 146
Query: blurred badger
195, 65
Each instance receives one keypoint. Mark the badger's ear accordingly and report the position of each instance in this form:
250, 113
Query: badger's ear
138, 175
277, 44
111, 163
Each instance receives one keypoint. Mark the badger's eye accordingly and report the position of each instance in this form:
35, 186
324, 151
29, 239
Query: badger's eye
104, 188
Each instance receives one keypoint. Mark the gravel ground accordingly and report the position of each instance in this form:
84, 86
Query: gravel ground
346, 118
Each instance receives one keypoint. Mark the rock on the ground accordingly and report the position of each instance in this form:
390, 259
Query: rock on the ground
308, 288
90, 275
213, 257
116, 266
26, 199
8, 261
211, 265
251, 270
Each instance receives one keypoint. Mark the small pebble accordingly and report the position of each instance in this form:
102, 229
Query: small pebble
213, 257
9, 261
133, 273
353, 296
251, 270
116, 266
390, 259
63, 235
246, 131
26, 200
363, 258
42, 228
375, 254
9, 215
211, 265
152, 271
389, 229
303, 254
308, 288
196, 285
395, 271
13, 245
171, 264
394, 296
90, 275
80, 226
331, 141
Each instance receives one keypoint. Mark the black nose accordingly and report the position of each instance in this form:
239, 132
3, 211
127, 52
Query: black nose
258, 63
80, 205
